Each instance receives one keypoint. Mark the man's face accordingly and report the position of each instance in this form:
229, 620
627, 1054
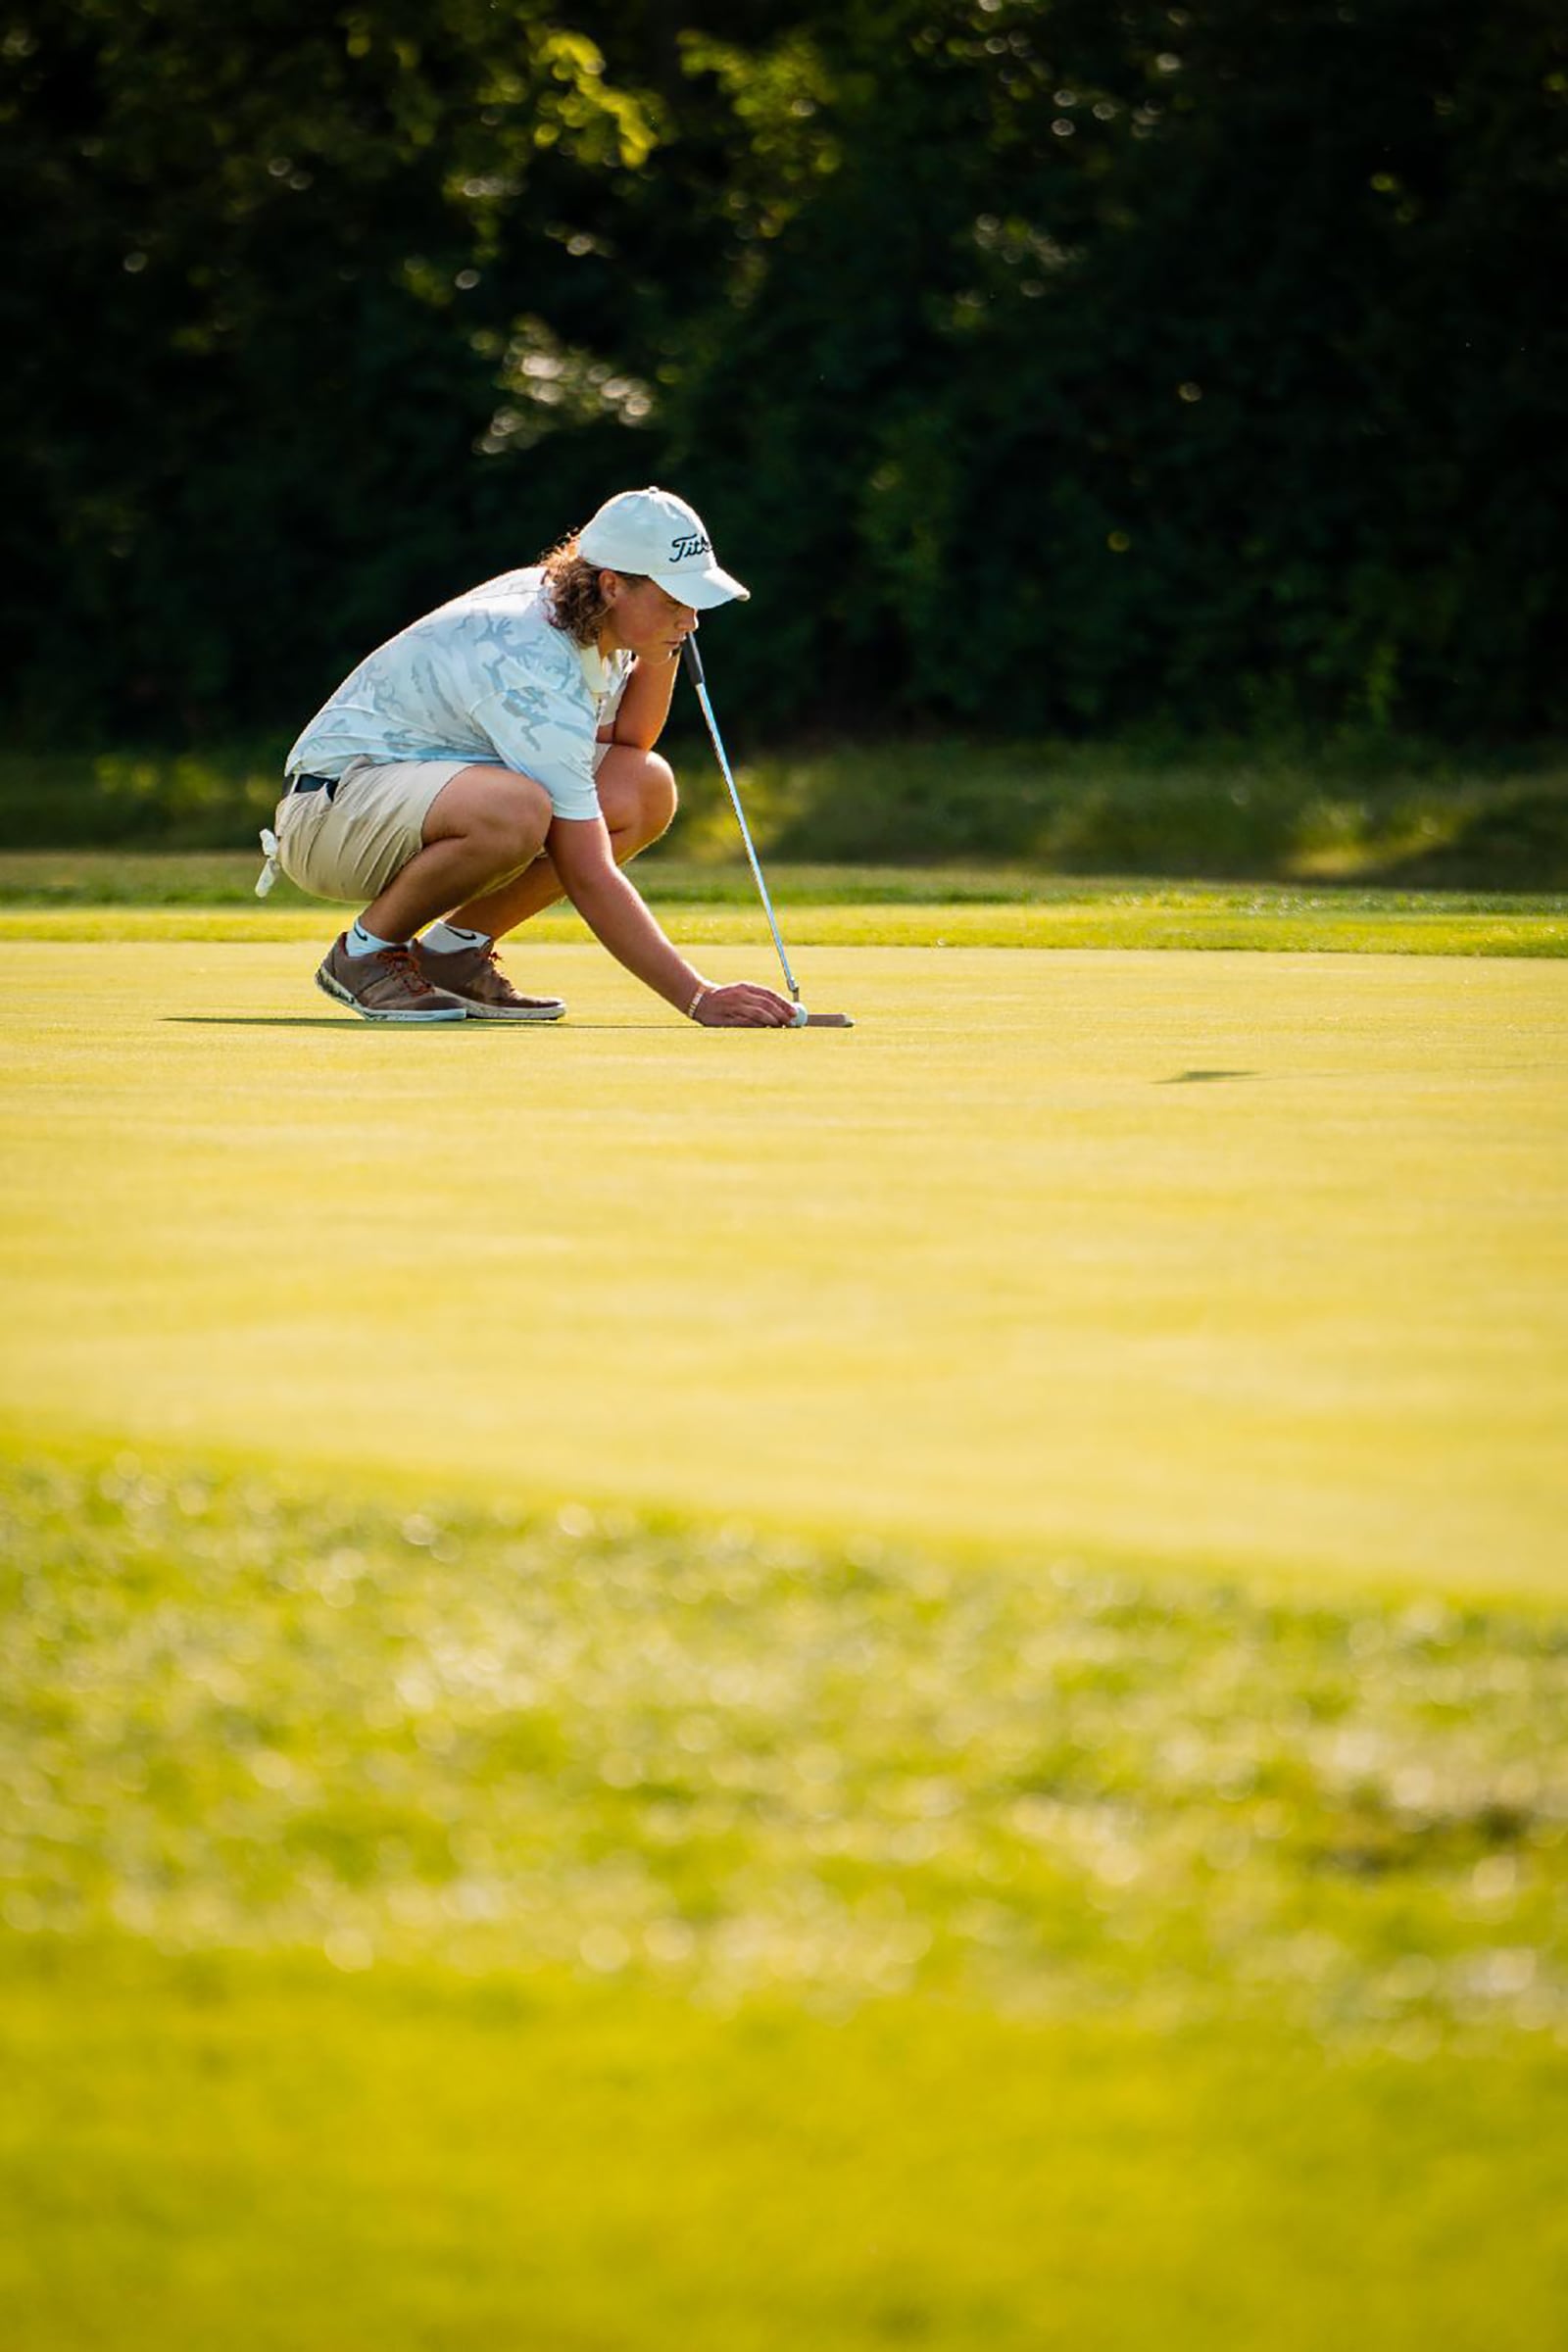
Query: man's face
644, 617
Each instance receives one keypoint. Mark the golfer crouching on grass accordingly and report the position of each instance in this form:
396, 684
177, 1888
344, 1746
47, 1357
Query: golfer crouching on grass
498, 755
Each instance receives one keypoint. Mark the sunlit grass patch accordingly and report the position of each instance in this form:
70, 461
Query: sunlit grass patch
238, 1717
89, 895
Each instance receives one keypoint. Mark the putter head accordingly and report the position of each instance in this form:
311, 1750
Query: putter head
827, 1020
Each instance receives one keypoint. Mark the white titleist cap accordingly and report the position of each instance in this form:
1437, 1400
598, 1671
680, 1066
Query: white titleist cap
653, 531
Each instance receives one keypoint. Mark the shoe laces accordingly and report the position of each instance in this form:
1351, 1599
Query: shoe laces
402, 964
490, 967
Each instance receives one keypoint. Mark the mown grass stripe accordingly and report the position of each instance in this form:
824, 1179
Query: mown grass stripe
1139, 927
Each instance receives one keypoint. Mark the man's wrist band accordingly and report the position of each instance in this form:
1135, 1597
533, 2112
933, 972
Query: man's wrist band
706, 990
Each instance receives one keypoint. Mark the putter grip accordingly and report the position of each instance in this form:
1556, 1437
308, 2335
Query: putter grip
692, 660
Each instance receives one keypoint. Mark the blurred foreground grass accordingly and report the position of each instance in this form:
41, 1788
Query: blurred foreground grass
596, 1931
735, 1764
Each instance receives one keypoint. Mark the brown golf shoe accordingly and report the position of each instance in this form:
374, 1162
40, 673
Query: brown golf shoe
474, 977
385, 987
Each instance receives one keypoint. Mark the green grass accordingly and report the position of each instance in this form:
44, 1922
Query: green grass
109, 895
891, 1688
1252, 1262
1351, 809
409, 2162
600, 1932
245, 1717
204, 878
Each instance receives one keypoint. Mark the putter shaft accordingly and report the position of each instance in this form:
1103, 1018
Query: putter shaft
693, 661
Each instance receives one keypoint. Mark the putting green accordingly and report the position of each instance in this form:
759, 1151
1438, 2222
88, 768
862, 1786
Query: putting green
1253, 1263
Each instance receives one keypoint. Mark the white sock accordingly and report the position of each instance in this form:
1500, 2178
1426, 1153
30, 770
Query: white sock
364, 942
450, 939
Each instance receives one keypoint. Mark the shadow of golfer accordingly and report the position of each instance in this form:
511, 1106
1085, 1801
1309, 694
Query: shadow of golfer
355, 1028
287, 1020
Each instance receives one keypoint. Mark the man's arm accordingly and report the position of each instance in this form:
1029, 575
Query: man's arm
645, 705
579, 850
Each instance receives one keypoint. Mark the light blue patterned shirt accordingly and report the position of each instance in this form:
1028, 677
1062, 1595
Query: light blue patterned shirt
484, 678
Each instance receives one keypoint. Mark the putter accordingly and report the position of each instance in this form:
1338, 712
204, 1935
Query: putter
693, 661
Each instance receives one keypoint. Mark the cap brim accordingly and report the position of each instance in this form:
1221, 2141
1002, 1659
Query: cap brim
702, 590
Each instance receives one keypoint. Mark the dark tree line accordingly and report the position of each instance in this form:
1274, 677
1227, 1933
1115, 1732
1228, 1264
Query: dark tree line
1043, 364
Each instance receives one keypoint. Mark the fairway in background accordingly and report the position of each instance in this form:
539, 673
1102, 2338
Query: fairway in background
109, 896
1362, 807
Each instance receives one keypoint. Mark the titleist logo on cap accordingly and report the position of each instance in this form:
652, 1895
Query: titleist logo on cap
655, 533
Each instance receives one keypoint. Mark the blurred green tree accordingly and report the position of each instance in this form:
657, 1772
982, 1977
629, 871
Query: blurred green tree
1076, 366
1040, 364
268, 294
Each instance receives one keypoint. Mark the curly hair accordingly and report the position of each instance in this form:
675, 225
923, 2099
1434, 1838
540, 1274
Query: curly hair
576, 603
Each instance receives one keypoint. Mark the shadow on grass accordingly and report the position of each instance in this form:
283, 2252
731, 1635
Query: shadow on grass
285, 1020
1515, 839
327, 1020
1203, 1077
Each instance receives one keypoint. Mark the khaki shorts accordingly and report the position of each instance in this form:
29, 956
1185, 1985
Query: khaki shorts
351, 845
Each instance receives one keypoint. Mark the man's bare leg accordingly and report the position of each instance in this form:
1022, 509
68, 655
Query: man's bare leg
486, 823
637, 794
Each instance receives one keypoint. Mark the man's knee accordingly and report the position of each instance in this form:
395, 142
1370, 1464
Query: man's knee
516, 822
502, 814
657, 797
637, 794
